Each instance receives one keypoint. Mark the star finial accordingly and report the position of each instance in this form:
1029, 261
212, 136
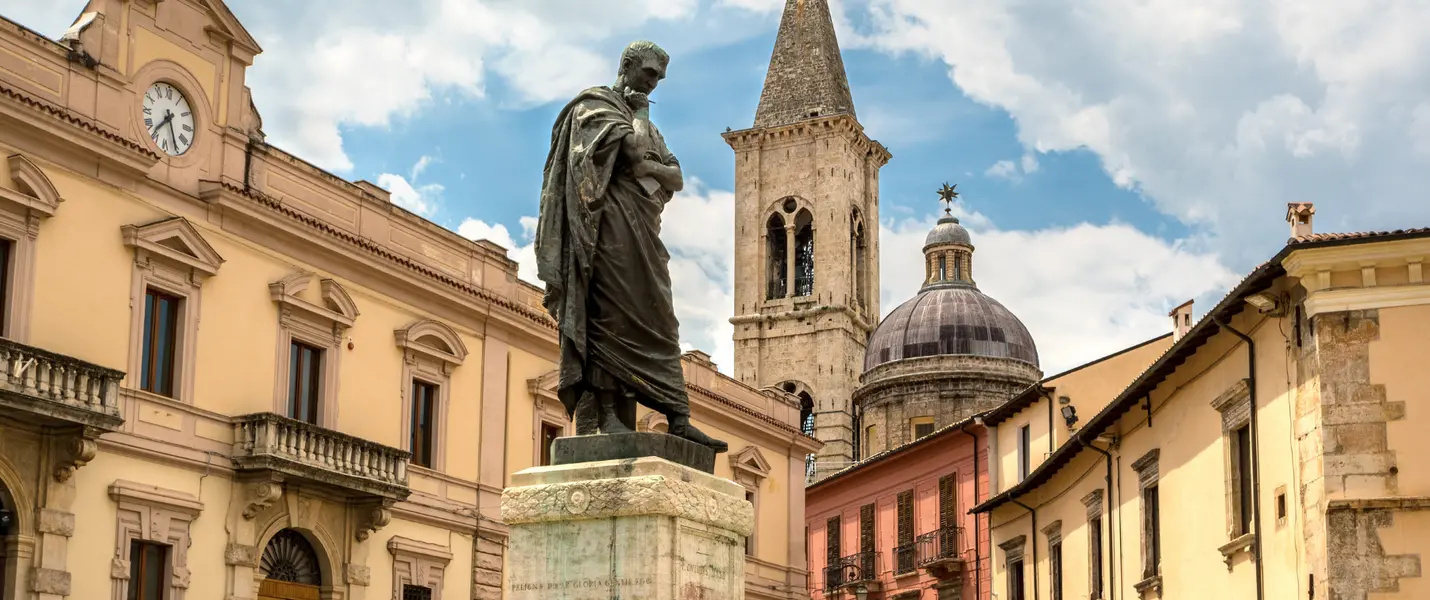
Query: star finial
947, 194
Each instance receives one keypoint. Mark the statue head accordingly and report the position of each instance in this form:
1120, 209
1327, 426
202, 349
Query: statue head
642, 66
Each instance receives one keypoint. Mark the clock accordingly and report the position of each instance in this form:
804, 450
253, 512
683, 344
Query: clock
168, 118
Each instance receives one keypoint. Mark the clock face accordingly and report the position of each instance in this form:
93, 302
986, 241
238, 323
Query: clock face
168, 118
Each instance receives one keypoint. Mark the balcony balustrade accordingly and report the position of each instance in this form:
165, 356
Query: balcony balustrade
939, 551
266, 441
50, 389
853, 569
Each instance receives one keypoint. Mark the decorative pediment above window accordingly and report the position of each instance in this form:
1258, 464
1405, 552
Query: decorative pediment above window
749, 466
432, 340
333, 303
175, 241
32, 189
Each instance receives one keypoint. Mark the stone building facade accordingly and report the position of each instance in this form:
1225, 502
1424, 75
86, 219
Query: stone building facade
943, 356
1271, 451
226, 373
806, 233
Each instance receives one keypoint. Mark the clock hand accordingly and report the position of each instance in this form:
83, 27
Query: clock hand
168, 116
171, 136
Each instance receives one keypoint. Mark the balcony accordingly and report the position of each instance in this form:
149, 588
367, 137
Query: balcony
905, 558
938, 552
296, 449
54, 390
853, 570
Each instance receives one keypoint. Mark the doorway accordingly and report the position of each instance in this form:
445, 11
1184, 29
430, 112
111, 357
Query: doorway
290, 569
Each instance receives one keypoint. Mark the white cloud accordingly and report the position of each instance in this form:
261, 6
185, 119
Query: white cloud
1029, 163
423, 199
1084, 291
1003, 169
1217, 112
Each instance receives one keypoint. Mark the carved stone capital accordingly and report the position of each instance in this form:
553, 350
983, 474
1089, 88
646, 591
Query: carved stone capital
119, 569
50, 581
57, 522
376, 518
261, 495
240, 555
74, 452
357, 574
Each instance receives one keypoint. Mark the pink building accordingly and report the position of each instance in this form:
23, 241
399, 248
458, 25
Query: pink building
896, 526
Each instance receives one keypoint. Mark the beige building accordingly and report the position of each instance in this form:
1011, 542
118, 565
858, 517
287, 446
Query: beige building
229, 374
807, 186
1270, 452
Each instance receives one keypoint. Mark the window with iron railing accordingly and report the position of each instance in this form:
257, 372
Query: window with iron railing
906, 552
938, 545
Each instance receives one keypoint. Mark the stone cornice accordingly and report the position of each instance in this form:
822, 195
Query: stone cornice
811, 313
841, 124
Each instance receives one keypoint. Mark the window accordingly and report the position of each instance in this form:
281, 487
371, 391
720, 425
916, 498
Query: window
147, 563
305, 379
832, 547
750, 539
804, 254
431, 351
1151, 508
861, 266
920, 427
6, 247
171, 263
416, 592
549, 433
867, 541
1055, 557
1242, 438
1015, 580
777, 265
312, 321
1094, 550
1093, 502
958, 266
1025, 449
424, 417
904, 553
871, 433
161, 331
28, 200
942, 268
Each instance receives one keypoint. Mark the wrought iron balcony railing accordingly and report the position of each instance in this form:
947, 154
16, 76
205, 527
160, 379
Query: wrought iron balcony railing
939, 545
852, 569
55, 389
905, 558
266, 441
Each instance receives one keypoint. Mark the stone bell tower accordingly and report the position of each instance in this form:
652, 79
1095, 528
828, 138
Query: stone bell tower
806, 233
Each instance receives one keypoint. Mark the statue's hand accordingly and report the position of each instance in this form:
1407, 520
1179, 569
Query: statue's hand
637, 100
647, 168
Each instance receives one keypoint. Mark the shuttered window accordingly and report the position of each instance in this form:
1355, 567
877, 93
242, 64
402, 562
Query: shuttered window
946, 505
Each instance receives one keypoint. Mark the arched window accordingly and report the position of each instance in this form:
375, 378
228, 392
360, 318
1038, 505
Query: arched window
7, 528
804, 254
957, 266
289, 561
942, 268
806, 425
861, 265
778, 265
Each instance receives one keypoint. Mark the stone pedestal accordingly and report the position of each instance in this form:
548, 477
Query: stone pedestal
635, 529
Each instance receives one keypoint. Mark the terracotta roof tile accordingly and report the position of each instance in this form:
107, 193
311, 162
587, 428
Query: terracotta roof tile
1354, 235
78, 121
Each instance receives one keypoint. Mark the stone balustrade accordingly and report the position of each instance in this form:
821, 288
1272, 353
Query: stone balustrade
300, 449
57, 388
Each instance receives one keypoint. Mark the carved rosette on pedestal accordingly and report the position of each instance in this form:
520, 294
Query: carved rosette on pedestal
638, 528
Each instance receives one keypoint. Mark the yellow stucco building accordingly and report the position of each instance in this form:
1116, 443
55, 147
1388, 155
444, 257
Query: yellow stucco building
225, 373
1274, 450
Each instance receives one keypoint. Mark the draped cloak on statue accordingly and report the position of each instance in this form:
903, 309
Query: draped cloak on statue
598, 251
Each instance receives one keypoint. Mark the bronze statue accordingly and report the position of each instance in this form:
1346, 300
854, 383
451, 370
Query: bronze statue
598, 250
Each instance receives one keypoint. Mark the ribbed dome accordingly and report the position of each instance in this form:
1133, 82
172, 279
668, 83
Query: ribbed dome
948, 231
950, 319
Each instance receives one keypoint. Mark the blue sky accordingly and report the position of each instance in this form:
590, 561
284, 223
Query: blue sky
1117, 157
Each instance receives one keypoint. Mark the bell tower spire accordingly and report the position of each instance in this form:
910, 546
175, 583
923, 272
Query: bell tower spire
807, 235
806, 77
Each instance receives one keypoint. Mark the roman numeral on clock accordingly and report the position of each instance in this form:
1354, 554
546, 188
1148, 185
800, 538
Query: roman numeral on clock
183, 139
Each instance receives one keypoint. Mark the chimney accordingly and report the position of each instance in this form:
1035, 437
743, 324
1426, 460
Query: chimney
1181, 320
1299, 215
374, 190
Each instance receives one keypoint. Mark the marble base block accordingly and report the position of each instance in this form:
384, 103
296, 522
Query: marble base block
635, 529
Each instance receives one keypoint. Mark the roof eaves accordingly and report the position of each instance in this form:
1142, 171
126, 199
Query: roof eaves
887, 454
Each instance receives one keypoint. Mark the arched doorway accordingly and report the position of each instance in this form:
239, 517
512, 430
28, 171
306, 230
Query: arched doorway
9, 529
290, 568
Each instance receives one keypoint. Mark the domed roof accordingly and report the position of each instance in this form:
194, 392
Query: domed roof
950, 319
948, 231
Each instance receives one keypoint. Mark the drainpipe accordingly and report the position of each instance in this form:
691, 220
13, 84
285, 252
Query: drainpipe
1255, 452
1034, 540
1111, 535
991, 432
1052, 433
977, 554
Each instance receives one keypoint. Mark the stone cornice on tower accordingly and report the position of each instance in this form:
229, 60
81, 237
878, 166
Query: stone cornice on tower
773, 137
806, 77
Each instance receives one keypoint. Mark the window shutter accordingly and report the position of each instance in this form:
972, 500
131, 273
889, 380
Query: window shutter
866, 528
906, 517
946, 516
831, 529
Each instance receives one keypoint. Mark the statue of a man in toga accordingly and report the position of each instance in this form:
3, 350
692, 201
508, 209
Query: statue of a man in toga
598, 250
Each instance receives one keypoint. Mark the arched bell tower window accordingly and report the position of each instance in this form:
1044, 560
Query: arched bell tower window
777, 268
861, 262
804, 254
806, 425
